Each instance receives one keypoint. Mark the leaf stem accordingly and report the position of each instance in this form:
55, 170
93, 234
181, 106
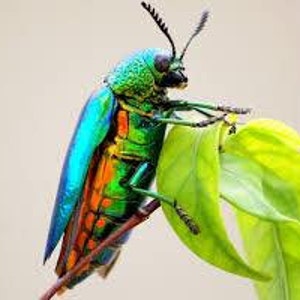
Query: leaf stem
140, 216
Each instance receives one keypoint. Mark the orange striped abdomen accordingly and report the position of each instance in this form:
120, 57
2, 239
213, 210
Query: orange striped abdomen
106, 203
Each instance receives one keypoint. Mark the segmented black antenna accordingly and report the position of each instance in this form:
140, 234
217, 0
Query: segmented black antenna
199, 27
158, 20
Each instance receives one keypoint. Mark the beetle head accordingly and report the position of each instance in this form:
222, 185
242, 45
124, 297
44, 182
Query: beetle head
168, 67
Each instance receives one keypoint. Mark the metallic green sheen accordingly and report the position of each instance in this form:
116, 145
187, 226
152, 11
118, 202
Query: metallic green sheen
135, 76
133, 86
142, 144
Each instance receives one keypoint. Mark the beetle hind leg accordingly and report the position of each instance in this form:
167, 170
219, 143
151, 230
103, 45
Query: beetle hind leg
180, 211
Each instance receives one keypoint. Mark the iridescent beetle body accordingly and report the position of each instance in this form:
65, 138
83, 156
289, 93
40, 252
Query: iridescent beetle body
114, 152
132, 139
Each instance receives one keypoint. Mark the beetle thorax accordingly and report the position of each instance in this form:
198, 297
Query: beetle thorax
136, 78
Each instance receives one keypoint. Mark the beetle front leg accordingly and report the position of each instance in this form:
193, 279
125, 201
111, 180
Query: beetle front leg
209, 121
183, 215
183, 105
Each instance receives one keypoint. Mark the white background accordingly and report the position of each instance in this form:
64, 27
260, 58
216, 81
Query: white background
54, 53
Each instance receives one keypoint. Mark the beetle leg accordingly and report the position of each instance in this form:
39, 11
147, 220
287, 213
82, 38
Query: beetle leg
183, 215
138, 176
186, 105
204, 123
203, 112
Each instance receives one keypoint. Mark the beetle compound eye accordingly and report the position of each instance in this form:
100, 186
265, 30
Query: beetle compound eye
162, 63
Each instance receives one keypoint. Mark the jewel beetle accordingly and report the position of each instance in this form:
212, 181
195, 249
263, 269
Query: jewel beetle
114, 152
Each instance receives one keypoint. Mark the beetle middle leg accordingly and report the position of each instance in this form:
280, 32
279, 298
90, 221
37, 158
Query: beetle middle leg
134, 185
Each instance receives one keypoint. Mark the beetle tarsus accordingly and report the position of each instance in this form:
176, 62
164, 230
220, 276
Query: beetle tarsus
235, 110
187, 220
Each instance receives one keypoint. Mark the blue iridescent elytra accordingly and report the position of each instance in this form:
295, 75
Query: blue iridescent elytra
91, 130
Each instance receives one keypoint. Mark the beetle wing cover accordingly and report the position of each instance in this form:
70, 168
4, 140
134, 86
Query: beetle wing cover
91, 130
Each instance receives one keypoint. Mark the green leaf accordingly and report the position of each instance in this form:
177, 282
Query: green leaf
274, 146
272, 246
188, 171
254, 189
